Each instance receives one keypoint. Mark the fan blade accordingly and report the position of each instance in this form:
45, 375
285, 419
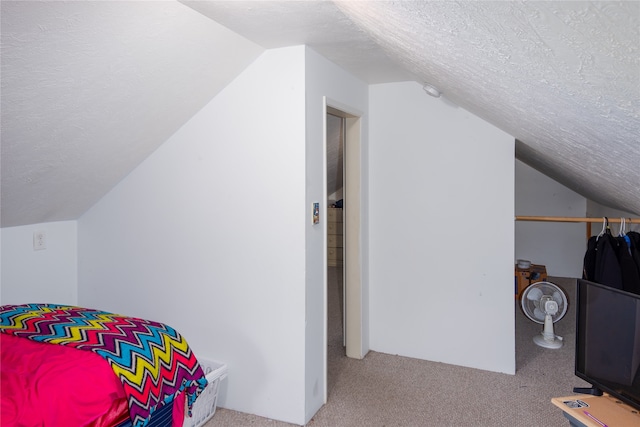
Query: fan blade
538, 314
557, 297
534, 294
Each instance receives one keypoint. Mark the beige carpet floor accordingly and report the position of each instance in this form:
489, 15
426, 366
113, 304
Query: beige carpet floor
384, 390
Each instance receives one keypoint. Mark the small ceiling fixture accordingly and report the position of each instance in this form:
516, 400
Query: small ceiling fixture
431, 90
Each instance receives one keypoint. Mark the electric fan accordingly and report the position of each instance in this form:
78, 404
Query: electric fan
545, 303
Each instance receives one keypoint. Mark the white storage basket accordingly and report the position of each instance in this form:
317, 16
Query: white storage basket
205, 405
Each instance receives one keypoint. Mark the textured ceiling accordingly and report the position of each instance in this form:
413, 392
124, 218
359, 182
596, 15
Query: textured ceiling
562, 77
319, 24
89, 89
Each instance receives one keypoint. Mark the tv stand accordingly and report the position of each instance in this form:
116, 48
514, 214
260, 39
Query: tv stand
593, 391
596, 411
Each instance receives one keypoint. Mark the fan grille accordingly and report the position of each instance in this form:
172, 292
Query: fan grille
533, 301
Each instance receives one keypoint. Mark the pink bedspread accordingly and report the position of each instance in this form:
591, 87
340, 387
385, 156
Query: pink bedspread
48, 385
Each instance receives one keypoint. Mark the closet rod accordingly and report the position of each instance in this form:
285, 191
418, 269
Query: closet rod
575, 219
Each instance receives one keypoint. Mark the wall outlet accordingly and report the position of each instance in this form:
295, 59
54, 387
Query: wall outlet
39, 240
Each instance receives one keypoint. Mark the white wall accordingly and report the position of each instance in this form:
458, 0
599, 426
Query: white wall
441, 231
559, 246
323, 79
208, 235
47, 275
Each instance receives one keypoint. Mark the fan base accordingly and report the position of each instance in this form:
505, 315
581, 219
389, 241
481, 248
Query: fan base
542, 342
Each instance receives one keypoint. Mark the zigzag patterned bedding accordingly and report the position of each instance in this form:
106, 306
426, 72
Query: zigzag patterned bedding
152, 360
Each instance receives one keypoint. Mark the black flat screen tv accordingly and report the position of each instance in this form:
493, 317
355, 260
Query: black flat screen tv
608, 341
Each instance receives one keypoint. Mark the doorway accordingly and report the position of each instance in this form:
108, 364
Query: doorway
335, 321
344, 165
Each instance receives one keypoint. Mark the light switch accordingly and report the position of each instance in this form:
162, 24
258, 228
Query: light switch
316, 212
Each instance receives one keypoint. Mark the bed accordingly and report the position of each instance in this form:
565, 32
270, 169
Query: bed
63, 365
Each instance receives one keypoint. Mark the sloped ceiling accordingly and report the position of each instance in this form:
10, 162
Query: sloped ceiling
562, 77
89, 89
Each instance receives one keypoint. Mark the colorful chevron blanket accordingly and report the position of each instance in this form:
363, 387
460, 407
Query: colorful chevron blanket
152, 360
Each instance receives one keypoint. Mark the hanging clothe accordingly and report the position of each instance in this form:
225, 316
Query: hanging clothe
630, 275
589, 263
607, 269
635, 253
613, 261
